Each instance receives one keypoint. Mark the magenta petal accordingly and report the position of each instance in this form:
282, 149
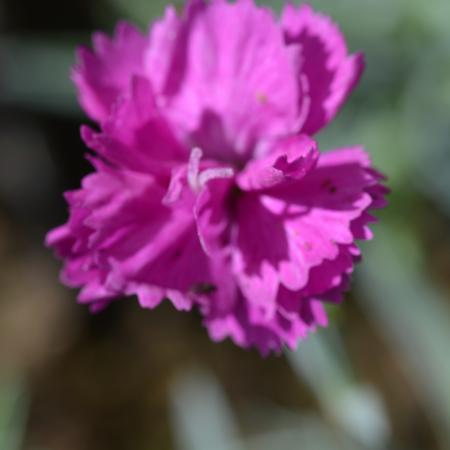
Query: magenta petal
330, 275
212, 215
328, 73
111, 238
322, 212
227, 90
247, 327
103, 74
165, 58
290, 159
261, 245
135, 135
109, 207
301, 249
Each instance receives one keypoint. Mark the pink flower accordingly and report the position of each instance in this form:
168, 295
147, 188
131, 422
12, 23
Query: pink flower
208, 190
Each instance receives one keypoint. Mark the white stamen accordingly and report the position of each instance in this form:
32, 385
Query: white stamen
210, 174
193, 167
197, 179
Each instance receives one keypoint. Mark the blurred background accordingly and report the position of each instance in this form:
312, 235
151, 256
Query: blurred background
378, 378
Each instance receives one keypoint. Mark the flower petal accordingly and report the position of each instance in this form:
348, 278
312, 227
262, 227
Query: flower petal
327, 72
136, 136
103, 74
321, 212
247, 327
212, 214
301, 249
290, 159
226, 90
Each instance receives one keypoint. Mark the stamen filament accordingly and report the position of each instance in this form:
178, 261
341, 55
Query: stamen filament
194, 167
210, 174
197, 179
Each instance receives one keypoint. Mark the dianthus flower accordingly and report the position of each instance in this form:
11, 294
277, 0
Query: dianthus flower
208, 189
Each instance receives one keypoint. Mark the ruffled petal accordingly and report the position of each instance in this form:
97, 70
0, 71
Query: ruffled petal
320, 213
108, 207
104, 73
121, 240
290, 160
165, 58
226, 90
295, 248
327, 72
247, 327
136, 136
